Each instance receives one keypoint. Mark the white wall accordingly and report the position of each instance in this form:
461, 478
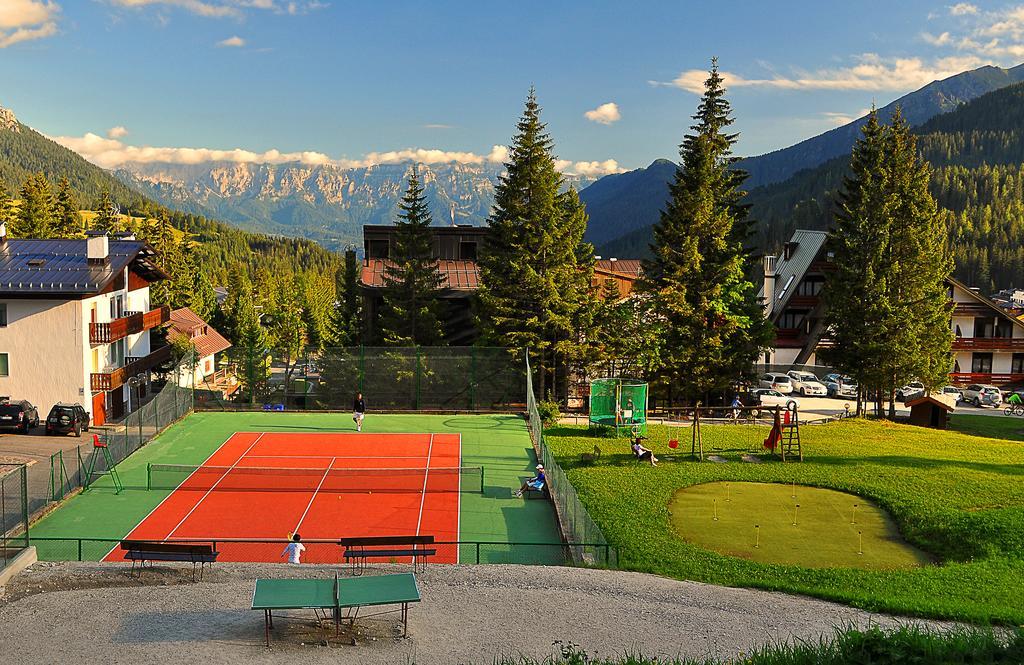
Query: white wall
45, 343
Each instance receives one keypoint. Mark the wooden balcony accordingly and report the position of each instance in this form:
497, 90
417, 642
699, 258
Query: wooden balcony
965, 378
799, 300
129, 324
988, 344
103, 381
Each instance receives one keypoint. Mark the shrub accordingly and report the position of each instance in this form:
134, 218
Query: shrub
548, 412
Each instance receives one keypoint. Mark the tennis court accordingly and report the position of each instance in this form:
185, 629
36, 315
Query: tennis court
323, 485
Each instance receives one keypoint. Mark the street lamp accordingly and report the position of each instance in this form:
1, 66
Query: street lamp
135, 382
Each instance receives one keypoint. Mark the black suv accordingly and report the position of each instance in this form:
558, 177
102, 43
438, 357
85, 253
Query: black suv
18, 414
66, 418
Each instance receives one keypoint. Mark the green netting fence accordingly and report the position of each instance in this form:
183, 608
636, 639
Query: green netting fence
446, 378
64, 473
576, 523
13, 513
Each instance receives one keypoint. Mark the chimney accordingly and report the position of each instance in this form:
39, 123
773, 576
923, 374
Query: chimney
125, 235
769, 283
97, 248
3, 232
613, 259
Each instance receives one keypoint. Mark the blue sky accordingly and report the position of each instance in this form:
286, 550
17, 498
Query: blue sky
367, 82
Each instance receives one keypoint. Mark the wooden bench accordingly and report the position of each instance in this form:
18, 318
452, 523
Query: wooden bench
531, 493
141, 551
359, 550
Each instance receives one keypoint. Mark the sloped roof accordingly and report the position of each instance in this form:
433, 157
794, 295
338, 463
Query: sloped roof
929, 399
458, 275
61, 267
984, 300
186, 323
789, 272
628, 268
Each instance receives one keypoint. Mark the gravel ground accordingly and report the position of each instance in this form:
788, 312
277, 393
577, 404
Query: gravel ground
94, 612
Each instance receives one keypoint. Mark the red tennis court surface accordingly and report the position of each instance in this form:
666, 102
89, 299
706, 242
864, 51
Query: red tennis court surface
320, 485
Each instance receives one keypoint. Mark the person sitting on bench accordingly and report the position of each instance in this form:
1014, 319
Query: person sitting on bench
535, 484
644, 454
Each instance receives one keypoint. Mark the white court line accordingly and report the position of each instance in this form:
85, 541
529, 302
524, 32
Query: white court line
164, 500
313, 498
213, 487
423, 496
336, 456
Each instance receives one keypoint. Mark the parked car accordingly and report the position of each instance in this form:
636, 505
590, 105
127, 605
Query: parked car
807, 384
843, 387
776, 381
910, 391
772, 397
980, 394
66, 418
953, 390
19, 414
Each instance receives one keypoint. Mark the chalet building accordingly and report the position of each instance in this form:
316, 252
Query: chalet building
988, 345
456, 249
207, 342
76, 322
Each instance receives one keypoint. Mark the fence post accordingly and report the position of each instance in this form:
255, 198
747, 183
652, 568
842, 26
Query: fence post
416, 398
478, 552
79, 549
362, 366
24, 499
472, 378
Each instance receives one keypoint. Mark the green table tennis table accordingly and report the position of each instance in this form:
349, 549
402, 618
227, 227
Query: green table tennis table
335, 594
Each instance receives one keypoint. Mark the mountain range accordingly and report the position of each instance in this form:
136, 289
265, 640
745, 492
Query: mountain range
325, 203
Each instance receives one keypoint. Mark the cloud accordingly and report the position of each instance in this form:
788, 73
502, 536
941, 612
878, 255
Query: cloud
26, 20
605, 114
963, 9
117, 132
840, 119
437, 125
111, 153
234, 42
871, 72
940, 40
225, 8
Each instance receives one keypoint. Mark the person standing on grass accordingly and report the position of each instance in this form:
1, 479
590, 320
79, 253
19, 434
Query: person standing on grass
358, 411
294, 549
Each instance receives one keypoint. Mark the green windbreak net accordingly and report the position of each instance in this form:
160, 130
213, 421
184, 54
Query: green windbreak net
586, 541
620, 404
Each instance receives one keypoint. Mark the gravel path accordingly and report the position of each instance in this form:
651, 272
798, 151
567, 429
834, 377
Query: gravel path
92, 612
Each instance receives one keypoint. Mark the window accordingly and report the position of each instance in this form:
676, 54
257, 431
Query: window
467, 251
377, 249
3, 315
5, 369
810, 286
983, 328
1017, 364
981, 363
792, 318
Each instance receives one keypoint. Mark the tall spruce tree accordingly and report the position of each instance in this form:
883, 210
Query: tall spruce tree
411, 315
7, 215
530, 266
251, 350
888, 311
107, 217
34, 218
67, 221
709, 325
346, 326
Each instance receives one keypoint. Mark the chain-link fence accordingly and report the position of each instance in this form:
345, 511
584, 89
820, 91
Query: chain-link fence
447, 378
577, 525
68, 470
13, 514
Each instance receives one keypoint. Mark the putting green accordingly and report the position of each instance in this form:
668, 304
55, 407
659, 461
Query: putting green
756, 521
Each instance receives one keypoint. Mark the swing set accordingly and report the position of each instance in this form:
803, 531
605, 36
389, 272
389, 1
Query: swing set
741, 429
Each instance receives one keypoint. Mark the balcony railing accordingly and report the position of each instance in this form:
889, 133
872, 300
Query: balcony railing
129, 324
964, 378
114, 379
988, 344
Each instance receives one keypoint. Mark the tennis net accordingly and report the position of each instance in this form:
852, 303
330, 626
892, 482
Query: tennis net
280, 479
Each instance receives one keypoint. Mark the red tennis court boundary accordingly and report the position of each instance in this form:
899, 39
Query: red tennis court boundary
318, 506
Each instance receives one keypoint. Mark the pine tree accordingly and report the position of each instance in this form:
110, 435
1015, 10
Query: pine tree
347, 326
528, 267
318, 307
107, 217
67, 222
34, 218
710, 327
288, 326
7, 215
411, 315
251, 350
203, 299
854, 291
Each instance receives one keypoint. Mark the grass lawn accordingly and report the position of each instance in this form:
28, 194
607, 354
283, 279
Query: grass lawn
957, 497
996, 427
792, 524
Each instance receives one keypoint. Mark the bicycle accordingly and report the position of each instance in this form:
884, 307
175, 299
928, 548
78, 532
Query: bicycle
1014, 410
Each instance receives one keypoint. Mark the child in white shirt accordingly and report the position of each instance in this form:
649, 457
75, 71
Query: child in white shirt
294, 549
